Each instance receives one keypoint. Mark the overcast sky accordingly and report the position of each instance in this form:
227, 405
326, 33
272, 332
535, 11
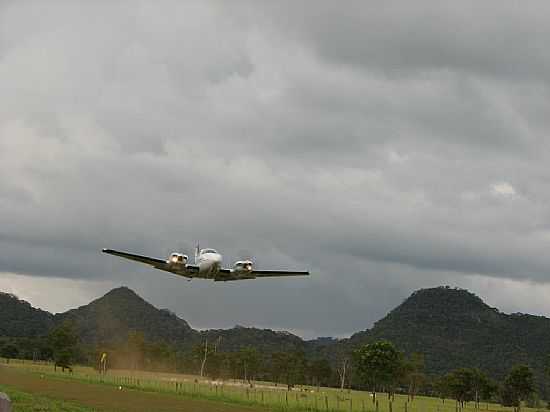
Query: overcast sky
385, 147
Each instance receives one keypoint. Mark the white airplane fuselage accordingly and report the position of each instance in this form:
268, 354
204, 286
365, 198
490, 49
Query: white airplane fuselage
209, 262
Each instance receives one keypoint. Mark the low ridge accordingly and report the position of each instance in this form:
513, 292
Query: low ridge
19, 319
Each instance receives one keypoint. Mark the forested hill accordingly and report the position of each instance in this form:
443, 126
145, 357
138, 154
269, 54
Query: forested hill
451, 327
455, 328
19, 319
111, 317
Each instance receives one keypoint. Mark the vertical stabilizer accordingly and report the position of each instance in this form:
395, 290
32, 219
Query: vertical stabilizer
197, 251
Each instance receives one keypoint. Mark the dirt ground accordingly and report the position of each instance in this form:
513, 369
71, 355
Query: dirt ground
110, 398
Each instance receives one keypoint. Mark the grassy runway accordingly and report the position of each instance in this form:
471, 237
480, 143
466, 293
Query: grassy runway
72, 395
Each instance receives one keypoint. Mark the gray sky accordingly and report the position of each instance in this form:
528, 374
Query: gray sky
385, 147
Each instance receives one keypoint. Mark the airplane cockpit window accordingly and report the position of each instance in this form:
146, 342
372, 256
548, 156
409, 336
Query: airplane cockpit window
209, 251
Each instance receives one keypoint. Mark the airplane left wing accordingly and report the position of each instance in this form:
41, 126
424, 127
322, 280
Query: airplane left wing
228, 275
275, 273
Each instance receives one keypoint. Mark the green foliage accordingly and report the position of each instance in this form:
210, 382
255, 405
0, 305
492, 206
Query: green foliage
63, 341
320, 371
413, 373
547, 365
460, 384
518, 385
379, 365
250, 362
442, 387
9, 351
288, 367
19, 319
467, 384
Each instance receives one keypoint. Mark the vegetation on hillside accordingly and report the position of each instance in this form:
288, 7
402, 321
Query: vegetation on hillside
440, 341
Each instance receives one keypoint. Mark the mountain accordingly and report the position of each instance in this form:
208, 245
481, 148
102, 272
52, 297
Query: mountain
19, 319
455, 328
111, 317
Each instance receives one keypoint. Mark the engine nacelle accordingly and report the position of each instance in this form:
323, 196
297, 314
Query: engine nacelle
177, 259
243, 267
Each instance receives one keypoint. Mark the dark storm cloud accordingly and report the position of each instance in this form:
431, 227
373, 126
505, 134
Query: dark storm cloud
384, 147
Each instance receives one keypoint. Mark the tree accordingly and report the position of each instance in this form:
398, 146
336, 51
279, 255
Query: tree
288, 366
518, 385
63, 341
342, 370
135, 346
479, 382
442, 387
9, 351
489, 390
201, 353
250, 361
320, 371
460, 385
413, 372
379, 365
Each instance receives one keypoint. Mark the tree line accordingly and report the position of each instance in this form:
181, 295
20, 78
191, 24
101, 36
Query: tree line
378, 367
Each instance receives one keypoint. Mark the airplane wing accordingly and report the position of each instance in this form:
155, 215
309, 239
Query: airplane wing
276, 273
156, 263
142, 259
229, 275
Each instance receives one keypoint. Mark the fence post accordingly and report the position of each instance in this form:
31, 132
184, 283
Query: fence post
326, 402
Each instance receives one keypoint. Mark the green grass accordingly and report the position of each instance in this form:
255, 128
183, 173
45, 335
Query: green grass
266, 394
28, 402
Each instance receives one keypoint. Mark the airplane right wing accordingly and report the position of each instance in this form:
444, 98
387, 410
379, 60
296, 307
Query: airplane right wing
186, 270
137, 258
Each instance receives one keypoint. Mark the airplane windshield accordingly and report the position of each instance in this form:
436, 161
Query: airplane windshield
209, 251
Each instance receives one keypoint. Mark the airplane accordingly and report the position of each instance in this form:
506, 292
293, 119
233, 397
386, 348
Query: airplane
208, 265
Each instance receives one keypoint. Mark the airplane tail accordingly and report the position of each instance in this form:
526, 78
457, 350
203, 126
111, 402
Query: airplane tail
197, 251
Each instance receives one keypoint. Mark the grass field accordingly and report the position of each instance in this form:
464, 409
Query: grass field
28, 402
265, 395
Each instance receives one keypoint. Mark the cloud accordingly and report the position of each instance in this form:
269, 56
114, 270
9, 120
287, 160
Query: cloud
384, 148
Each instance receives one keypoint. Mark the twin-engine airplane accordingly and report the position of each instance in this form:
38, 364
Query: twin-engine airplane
208, 265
